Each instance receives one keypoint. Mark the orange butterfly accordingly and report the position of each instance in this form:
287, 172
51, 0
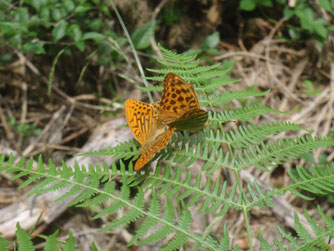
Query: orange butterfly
178, 108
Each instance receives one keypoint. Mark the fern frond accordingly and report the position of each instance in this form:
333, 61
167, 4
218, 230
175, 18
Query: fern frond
86, 186
200, 71
51, 241
243, 114
316, 180
125, 150
181, 237
265, 246
222, 98
245, 136
23, 239
305, 241
69, 244
3, 244
164, 230
258, 197
214, 84
274, 153
215, 196
154, 209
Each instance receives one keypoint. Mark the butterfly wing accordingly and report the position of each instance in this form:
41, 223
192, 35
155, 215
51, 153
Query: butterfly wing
142, 120
192, 121
150, 149
178, 97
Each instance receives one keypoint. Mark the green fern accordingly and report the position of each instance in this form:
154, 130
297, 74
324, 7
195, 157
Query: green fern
316, 180
247, 146
305, 241
24, 241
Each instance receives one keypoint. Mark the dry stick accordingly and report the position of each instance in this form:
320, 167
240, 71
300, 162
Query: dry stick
55, 147
24, 109
293, 81
8, 129
243, 54
269, 67
330, 116
75, 135
327, 116
55, 117
155, 13
316, 102
60, 92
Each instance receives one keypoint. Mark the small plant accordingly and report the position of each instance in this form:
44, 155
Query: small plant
309, 23
32, 25
24, 128
173, 184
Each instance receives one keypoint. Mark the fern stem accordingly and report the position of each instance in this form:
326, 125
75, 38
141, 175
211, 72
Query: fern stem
132, 48
244, 203
207, 230
244, 209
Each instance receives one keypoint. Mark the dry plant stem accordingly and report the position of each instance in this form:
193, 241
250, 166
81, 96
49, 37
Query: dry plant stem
24, 110
316, 102
75, 135
269, 67
293, 81
233, 54
60, 92
132, 47
155, 14
31, 147
44, 148
8, 129
327, 114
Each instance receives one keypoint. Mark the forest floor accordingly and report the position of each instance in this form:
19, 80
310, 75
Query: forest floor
300, 78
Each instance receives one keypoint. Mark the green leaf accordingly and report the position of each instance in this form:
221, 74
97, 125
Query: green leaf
212, 40
22, 15
59, 31
267, 3
80, 45
320, 29
294, 33
247, 5
82, 8
288, 12
142, 36
69, 5
34, 47
97, 37
327, 5
36, 4
45, 14
56, 15
12, 28
75, 32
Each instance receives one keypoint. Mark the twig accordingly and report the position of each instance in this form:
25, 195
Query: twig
8, 129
